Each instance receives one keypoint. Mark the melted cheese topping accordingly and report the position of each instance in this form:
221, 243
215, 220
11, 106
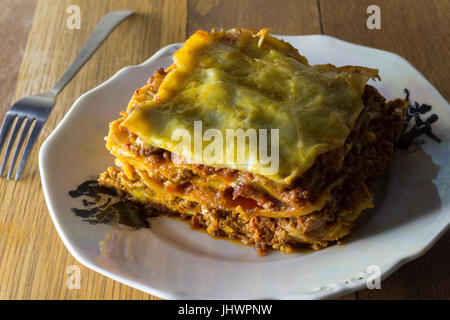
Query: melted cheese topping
240, 79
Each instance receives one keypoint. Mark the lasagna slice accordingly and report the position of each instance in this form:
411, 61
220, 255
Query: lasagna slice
334, 135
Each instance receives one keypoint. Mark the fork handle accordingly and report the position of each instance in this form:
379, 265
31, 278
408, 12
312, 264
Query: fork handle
101, 32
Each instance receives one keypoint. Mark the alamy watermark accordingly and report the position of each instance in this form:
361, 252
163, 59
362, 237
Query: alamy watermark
374, 279
374, 20
74, 19
74, 279
250, 148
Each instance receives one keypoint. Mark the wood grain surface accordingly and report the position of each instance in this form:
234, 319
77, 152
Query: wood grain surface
37, 47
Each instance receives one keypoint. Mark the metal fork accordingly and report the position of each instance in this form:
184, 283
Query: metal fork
36, 108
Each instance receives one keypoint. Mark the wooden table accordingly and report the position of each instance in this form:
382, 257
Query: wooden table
37, 47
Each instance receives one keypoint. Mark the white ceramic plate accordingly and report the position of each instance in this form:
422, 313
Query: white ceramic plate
170, 260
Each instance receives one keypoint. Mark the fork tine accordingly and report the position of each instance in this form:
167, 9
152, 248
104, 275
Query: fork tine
25, 130
11, 142
26, 153
6, 125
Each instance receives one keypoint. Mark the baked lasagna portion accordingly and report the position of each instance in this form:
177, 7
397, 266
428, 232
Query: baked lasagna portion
334, 137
